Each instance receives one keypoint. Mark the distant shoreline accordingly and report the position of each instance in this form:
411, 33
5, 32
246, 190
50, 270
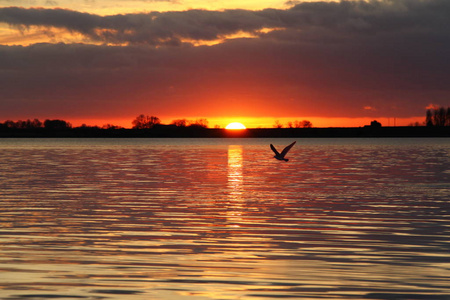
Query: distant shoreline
167, 131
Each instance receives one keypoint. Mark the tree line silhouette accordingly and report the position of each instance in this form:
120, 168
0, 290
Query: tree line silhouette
147, 122
140, 122
50, 125
35, 123
438, 117
294, 124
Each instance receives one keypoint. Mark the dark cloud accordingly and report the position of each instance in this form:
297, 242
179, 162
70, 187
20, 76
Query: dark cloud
153, 28
316, 20
60, 18
323, 59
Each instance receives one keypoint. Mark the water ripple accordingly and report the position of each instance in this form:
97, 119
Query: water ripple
215, 219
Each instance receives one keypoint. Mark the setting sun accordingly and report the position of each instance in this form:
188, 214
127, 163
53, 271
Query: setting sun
235, 125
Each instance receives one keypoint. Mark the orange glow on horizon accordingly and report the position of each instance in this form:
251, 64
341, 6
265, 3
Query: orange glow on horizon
255, 122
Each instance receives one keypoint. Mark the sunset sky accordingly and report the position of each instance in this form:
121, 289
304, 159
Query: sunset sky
335, 63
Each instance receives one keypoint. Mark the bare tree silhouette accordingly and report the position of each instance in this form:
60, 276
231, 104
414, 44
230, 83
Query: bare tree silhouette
438, 117
277, 124
180, 122
145, 122
202, 123
295, 124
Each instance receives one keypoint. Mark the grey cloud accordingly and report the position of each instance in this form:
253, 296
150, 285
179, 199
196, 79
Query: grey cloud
324, 19
151, 28
61, 18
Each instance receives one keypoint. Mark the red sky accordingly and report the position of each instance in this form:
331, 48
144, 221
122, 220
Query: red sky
334, 63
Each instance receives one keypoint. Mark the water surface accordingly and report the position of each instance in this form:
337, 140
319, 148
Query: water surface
222, 219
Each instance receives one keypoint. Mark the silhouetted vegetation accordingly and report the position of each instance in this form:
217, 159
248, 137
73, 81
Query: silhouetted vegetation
34, 124
57, 124
200, 123
49, 125
438, 117
375, 124
300, 124
180, 122
416, 124
145, 122
28, 124
111, 127
294, 124
277, 124
150, 126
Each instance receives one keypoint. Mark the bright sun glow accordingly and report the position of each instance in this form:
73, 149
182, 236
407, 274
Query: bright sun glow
235, 125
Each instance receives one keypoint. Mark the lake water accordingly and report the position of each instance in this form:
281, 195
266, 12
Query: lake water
222, 219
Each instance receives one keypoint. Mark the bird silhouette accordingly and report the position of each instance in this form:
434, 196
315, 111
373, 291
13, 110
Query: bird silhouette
280, 156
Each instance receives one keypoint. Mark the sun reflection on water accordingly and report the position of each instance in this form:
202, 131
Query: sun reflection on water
235, 184
235, 177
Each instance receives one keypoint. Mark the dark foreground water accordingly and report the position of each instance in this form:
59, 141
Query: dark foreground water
222, 219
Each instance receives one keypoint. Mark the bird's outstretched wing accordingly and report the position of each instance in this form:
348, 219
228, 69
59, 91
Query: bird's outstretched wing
274, 150
286, 150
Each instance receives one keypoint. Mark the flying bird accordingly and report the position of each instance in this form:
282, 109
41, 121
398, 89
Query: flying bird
280, 156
